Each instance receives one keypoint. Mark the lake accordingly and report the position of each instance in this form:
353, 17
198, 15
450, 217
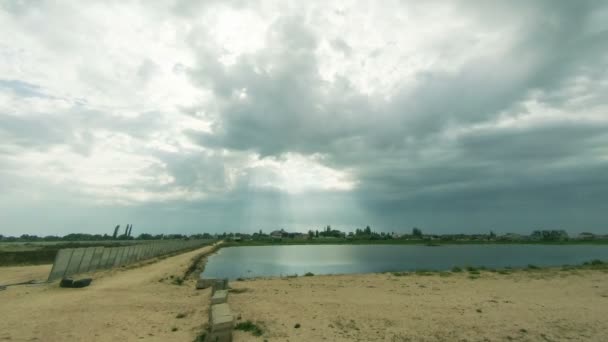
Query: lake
235, 262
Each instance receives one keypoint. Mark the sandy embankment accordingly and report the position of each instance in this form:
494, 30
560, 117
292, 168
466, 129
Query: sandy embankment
543, 305
120, 305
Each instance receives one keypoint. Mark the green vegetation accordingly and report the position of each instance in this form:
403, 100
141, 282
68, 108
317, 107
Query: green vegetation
250, 327
309, 274
424, 272
456, 269
181, 315
201, 337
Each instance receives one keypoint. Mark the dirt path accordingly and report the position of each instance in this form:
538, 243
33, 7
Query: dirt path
523, 306
120, 305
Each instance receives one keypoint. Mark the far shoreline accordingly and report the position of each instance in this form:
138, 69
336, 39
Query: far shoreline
427, 243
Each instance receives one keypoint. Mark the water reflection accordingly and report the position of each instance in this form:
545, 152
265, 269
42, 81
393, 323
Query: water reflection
237, 262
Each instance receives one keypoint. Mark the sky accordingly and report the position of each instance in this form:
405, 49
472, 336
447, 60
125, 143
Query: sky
188, 116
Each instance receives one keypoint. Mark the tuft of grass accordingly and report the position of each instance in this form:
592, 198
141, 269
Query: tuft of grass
445, 274
201, 337
456, 269
237, 291
178, 281
505, 271
174, 329
309, 274
181, 315
297, 326
474, 271
471, 268
249, 326
533, 267
424, 272
400, 274
473, 277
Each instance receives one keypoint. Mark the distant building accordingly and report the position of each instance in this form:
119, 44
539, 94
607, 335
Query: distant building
586, 236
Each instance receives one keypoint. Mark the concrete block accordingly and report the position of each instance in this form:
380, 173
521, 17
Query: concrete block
221, 317
220, 284
219, 297
205, 283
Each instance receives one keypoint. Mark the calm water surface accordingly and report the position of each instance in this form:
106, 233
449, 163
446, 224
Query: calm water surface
235, 262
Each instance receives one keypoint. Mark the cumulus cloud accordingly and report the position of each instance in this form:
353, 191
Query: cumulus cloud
235, 115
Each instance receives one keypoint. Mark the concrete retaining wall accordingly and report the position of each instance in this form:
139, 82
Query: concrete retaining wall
71, 261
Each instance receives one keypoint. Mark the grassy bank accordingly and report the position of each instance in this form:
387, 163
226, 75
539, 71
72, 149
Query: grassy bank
13, 254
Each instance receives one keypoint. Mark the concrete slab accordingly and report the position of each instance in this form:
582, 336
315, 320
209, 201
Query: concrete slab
96, 259
120, 254
86, 259
105, 257
221, 317
62, 260
220, 296
75, 262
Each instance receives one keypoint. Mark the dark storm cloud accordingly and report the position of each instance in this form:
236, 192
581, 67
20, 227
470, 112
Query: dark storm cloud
503, 127
396, 149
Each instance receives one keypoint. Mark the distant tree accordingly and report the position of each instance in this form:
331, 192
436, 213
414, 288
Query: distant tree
417, 232
492, 235
311, 234
316, 233
368, 230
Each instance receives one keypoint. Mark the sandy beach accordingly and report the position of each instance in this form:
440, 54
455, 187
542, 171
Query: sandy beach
540, 305
138, 303
143, 303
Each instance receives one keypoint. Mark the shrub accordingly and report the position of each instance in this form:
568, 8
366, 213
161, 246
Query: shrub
249, 326
596, 262
533, 267
309, 274
456, 269
181, 315
424, 272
